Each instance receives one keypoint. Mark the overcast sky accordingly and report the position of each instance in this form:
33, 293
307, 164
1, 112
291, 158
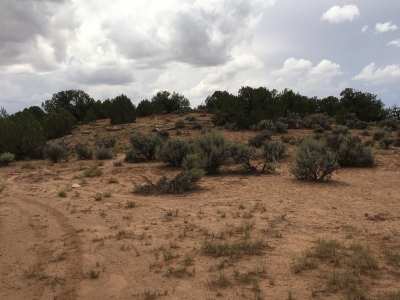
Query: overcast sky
138, 47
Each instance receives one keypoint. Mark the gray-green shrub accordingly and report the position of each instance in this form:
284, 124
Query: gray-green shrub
180, 123
281, 127
259, 139
241, 152
338, 129
174, 152
83, 151
107, 142
212, 150
266, 125
380, 134
145, 146
314, 160
6, 158
55, 152
197, 125
103, 153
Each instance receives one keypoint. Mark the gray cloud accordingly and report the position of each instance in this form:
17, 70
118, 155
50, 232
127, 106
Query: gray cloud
196, 35
33, 32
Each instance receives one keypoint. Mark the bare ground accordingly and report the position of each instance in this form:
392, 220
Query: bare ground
75, 247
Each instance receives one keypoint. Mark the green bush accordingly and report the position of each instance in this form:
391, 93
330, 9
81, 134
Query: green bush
338, 129
241, 152
83, 151
350, 151
191, 118
281, 127
393, 124
314, 160
380, 134
321, 120
266, 125
145, 146
55, 152
174, 152
212, 150
103, 153
6, 158
288, 139
273, 151
163, 134
184, 181
396, 142
180, 124
386, 142
107, 142
352, 122
259, 139
197, 125
365, 133
318, 129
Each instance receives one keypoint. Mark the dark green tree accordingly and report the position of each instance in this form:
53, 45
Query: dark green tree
121, 110
76, 102
145, 108
366, 106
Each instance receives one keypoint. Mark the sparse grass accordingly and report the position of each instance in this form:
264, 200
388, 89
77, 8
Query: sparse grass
130, 204
148, 295
306, 262
393, 257
362, 258
107, 194
2, 187
179, 271
62, 193
325, 249
98, 196
93, 274
92, 171
61, 256
113, 180
28, 165
235, 249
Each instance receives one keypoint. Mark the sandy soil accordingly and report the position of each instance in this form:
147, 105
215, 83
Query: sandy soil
51, 247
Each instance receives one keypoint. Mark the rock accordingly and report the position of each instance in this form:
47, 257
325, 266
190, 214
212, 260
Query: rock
86, 131
75, 185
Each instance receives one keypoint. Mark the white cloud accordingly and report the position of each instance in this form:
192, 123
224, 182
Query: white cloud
364, 29
301, 75
224, 77
379, 76
385, 27
337, 14
394, 43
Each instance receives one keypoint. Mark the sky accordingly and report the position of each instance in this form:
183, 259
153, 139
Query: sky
196, 47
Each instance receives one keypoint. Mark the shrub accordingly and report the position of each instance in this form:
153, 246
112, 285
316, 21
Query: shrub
380, 134
144, 146
281, 127
340, 130
212, 150
393, 124
350, 152
6, 158
318, 129
370, 143
163, 134
288, 139
107, 143
103, 153
273, 151
386, 142
322, 120
292, 120
259, 139
365, 133
191, 118
83, 151
352, 122
314, 161
93, 171
266, 125
174, 152
241, 152
180, 123
184, 181
396, 142
197, 125
231, 126
55, 152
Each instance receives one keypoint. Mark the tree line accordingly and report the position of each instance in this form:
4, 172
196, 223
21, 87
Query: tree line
26, 132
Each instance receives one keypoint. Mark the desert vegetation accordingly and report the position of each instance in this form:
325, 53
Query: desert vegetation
295, 204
